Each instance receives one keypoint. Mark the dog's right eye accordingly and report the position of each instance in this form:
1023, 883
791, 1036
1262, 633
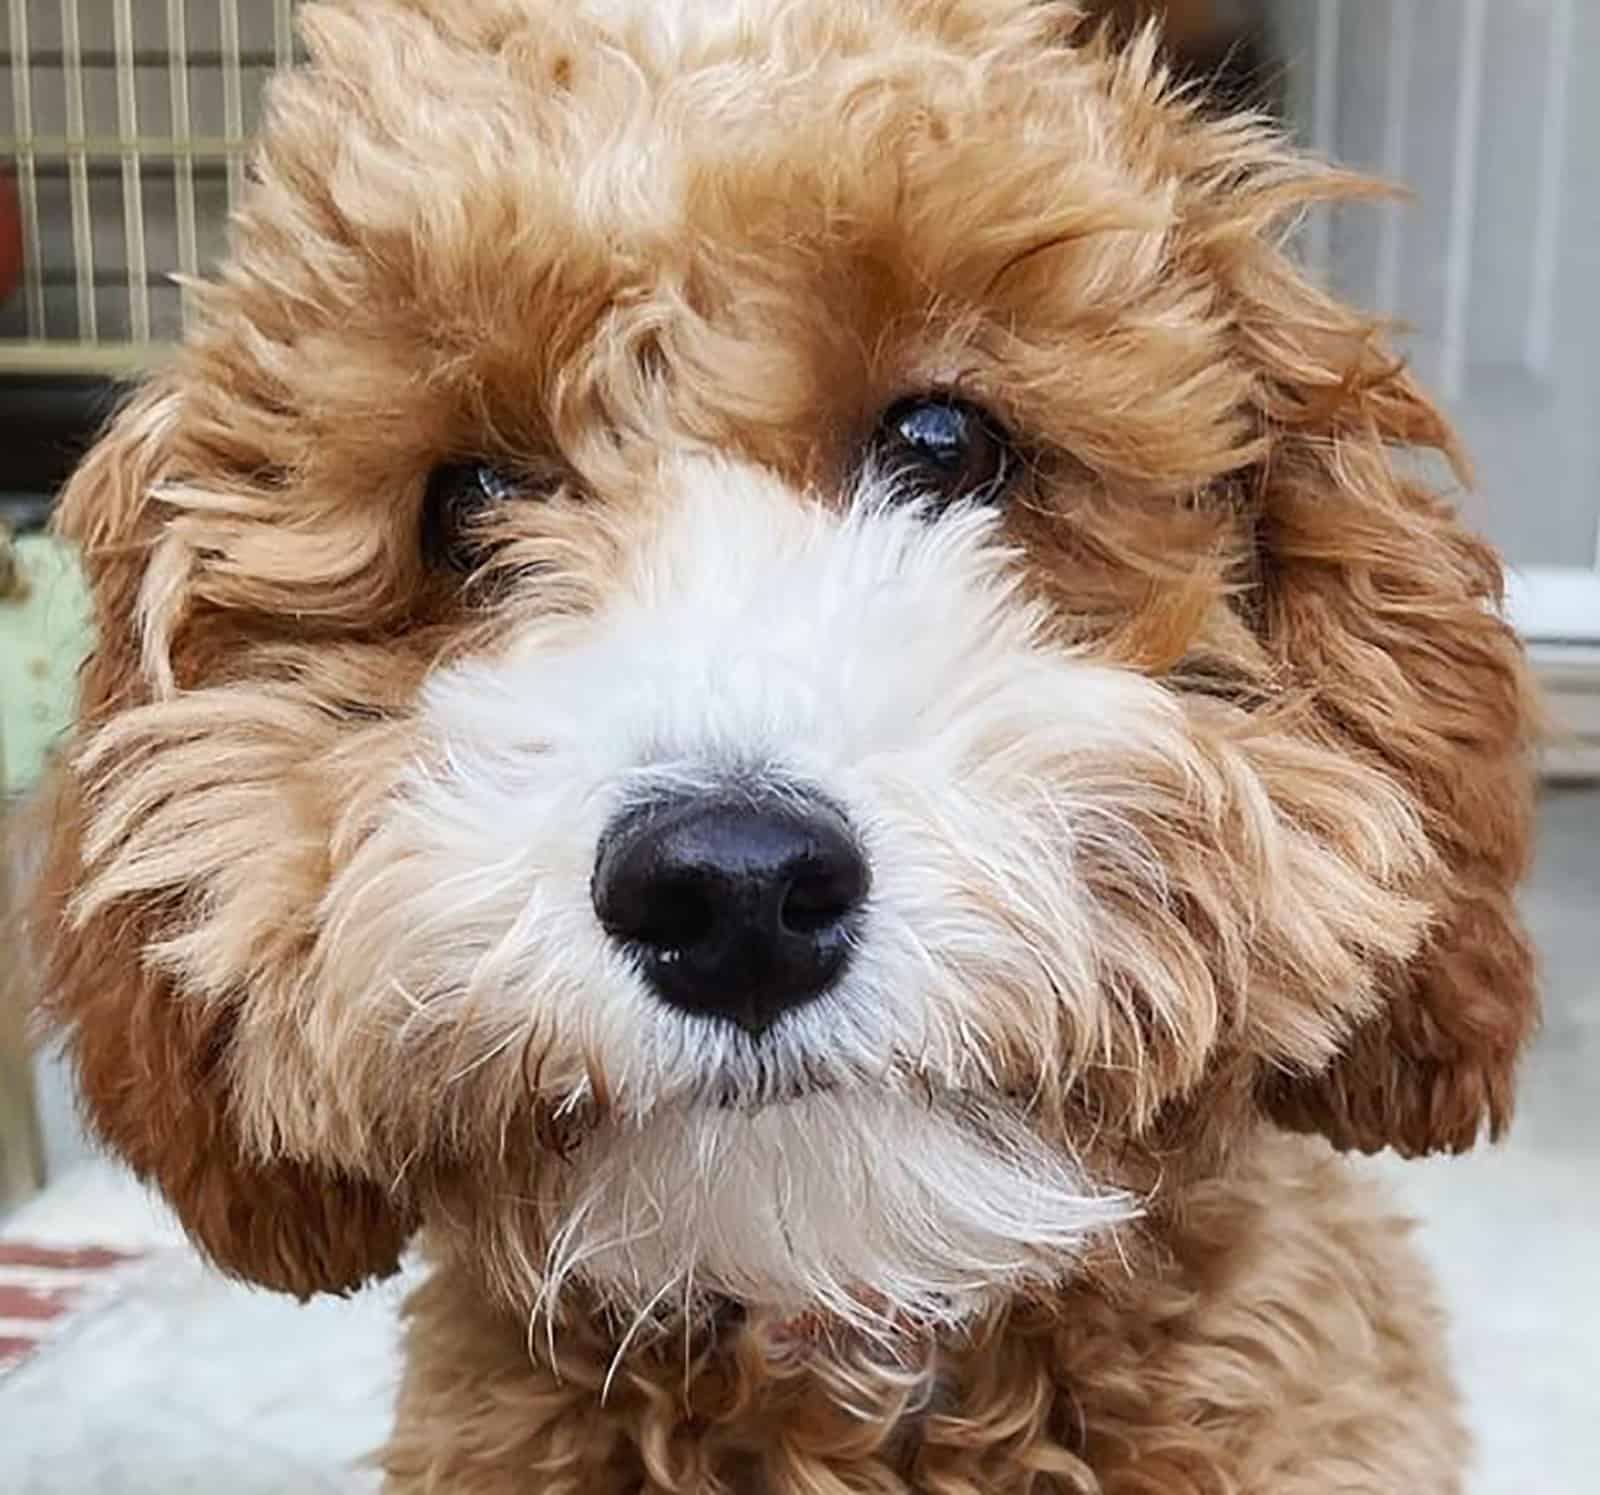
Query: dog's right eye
460, 496
945, 449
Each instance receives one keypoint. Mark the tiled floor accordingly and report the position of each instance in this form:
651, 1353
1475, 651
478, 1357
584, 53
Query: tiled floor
194, 1385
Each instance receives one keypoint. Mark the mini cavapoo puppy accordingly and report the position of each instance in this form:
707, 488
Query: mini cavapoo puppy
768, 675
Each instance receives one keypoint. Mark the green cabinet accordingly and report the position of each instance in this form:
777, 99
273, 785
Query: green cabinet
44, 631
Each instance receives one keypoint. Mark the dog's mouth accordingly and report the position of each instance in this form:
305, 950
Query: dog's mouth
737, 1093
764, 1075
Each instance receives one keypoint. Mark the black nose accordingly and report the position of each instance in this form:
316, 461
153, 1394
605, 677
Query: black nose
735, 910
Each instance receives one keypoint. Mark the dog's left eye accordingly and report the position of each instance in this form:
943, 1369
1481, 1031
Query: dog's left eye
947, 449
460, 496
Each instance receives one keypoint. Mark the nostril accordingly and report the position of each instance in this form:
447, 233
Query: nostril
819, 898
677, 914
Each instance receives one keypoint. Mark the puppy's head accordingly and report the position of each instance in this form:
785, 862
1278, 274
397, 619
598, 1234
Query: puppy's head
770, 651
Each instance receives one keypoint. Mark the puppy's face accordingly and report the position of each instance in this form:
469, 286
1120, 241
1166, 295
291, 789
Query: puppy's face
770, 652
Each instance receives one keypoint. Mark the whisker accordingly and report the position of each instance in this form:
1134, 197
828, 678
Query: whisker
639, 1319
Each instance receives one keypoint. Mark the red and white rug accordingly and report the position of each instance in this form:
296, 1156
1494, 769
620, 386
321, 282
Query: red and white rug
43, 1288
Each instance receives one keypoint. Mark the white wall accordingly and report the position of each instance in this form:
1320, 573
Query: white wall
1485, 110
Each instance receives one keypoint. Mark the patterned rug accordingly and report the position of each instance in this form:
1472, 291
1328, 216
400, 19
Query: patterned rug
44, 1288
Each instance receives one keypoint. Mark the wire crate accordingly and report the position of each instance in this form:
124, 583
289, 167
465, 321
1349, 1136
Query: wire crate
130, 122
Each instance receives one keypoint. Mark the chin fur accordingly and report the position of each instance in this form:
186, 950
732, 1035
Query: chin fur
876, 1210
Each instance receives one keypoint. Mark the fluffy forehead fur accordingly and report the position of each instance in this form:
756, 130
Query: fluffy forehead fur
1194, 780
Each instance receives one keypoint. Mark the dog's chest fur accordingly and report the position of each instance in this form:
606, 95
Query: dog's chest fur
1219, 1372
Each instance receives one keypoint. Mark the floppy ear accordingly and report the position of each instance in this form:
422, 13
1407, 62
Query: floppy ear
152, 1061
1378, 605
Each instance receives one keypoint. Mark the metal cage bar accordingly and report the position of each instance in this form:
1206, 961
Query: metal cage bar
1463, 201
1396, 126
98, 148
78, 169
132, 178
282, 33
27, 172
184, 207
110, 107
233, 95
1324, 125
1540, 341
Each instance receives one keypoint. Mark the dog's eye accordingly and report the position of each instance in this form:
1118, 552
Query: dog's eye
460, 496
945, 448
